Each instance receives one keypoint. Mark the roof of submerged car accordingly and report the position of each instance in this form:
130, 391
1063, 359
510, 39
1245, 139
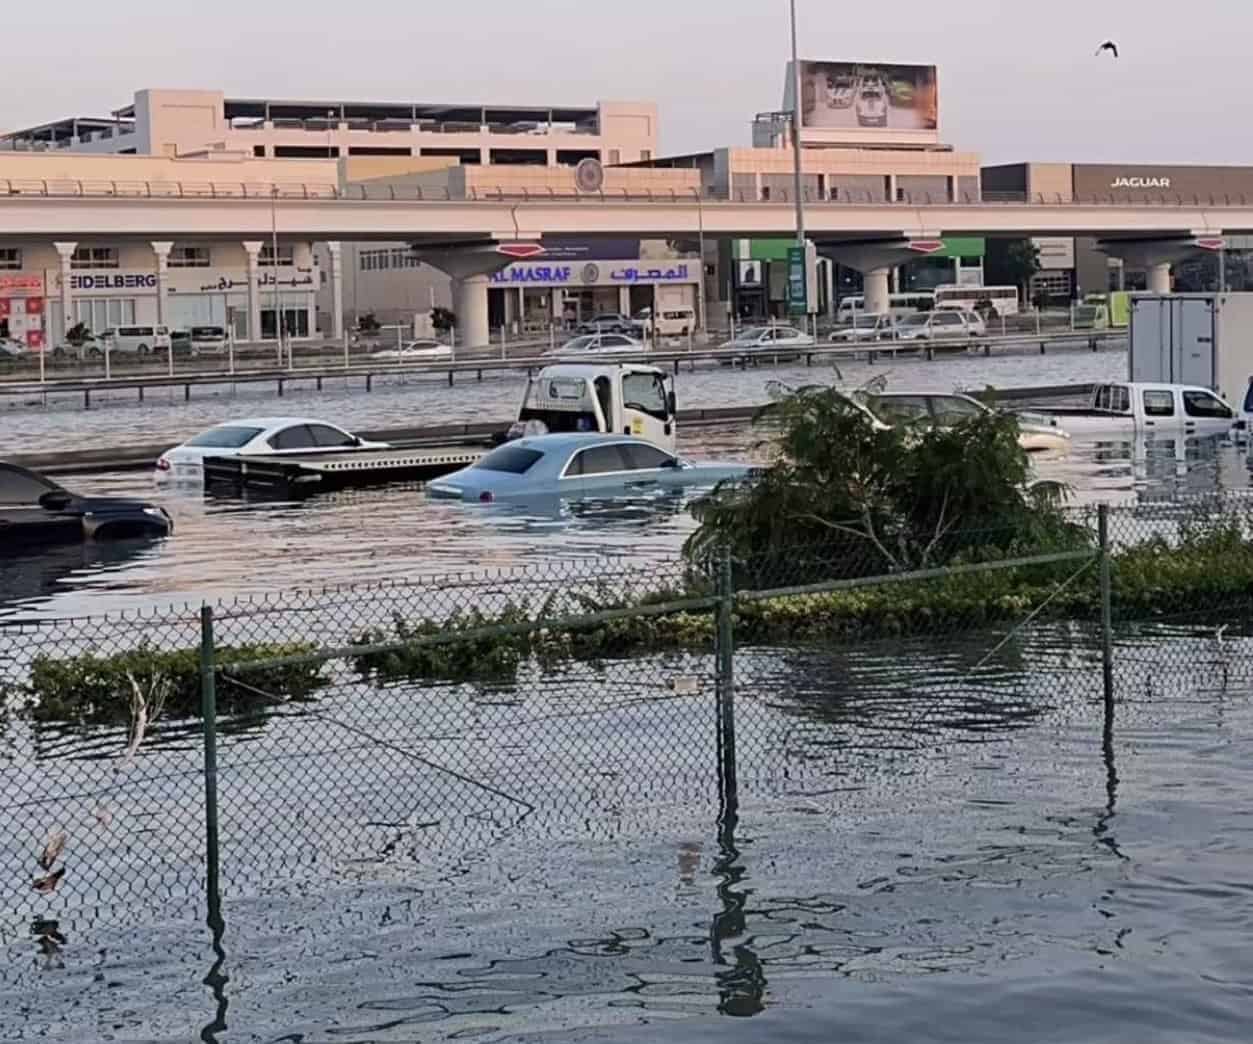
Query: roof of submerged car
271, 422
573, 440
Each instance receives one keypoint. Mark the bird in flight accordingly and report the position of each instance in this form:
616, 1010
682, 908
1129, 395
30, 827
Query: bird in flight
1110, 46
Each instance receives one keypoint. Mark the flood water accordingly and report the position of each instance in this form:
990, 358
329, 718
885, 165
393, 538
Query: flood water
222, 548
924, 862
934, 840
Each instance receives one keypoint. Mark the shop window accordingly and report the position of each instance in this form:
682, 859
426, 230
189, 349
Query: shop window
10, 257
94, 257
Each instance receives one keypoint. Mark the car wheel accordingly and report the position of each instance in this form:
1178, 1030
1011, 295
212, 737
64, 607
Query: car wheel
95, 353
144, 349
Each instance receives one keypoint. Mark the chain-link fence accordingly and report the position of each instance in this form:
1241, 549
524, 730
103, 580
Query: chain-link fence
390, 734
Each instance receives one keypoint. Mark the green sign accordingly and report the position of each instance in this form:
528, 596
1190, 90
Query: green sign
797, 303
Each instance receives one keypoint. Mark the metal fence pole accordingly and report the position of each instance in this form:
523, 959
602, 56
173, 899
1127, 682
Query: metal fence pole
727, 775
1107, 625
209, 712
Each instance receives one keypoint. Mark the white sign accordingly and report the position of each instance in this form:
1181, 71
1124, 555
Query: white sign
597, 273
1056, 252
180, 282
1140, 183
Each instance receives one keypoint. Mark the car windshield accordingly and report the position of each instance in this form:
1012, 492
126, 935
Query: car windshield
580, 343
752, 333
207, 331
225, 438
512, 460
918, 319
865, 322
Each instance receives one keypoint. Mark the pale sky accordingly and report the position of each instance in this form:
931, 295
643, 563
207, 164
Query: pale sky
1017, 81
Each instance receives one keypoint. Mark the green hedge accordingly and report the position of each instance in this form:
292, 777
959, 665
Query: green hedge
94, 688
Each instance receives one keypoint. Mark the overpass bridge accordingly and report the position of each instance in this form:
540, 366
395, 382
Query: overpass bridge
469, 238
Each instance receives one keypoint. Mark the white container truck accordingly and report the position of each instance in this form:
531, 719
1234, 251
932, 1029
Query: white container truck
1202, 340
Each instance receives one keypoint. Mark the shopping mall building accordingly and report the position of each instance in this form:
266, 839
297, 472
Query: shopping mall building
869, 133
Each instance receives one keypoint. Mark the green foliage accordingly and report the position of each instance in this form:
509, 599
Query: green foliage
1022, 261
488, 657
875, 500
97, 689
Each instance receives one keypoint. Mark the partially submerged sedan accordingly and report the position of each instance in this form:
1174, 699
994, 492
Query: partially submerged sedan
35, 512
266, 436
578, 465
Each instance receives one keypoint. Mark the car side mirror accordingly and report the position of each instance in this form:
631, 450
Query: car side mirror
671, 404
54, 499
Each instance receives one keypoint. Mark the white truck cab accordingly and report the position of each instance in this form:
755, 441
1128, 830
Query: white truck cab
619, 399
1149, 407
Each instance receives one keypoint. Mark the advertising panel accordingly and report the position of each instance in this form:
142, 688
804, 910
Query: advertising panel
1134, 182
868, 96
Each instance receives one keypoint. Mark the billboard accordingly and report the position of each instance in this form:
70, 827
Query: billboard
867, 96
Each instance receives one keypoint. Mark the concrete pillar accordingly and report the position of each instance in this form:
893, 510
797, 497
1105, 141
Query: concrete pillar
162, 251
253, 249
876, 294
65, 251
624, 300
336, 251
469, 295
1159, 277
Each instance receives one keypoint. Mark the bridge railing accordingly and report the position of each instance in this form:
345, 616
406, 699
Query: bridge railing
62, 188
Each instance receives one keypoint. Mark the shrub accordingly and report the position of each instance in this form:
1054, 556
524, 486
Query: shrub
92, 688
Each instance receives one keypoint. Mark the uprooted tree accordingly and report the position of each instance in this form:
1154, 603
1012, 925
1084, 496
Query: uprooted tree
863, 499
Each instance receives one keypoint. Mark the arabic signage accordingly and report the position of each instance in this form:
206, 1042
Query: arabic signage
141, 283
574, 248
867, 96
597, 273
21, 286
796, 281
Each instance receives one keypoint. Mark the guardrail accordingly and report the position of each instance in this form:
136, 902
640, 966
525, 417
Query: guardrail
475, 368
65, 188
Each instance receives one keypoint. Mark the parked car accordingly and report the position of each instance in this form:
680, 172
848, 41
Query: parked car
90, 345
258, 435
598, 344
134, 340
578, 465
12, 349
607, 322
840, 90
768, 339
943, 324
975, 322
1035, 433
872, 105
675, 321
37, 512
867, 327
415, 351
208, 340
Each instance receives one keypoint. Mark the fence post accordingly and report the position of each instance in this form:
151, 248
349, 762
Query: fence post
1107, 612
727, 775
209, 712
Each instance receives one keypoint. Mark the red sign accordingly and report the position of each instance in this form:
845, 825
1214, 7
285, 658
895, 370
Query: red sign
21, 286
1211, 243
521, 251
926, 246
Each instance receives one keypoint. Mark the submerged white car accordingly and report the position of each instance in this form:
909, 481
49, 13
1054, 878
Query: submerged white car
415, 351
256, 435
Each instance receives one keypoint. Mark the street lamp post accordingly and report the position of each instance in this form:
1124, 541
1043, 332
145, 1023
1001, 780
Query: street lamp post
278, 299
796, 134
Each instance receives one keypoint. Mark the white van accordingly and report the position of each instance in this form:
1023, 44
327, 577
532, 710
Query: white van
675, 321
137, 340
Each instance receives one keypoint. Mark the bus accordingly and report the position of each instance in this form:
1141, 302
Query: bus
1002, 300
900, 305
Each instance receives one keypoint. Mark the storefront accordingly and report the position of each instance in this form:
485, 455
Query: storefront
199, 297
23, 309
530, 295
